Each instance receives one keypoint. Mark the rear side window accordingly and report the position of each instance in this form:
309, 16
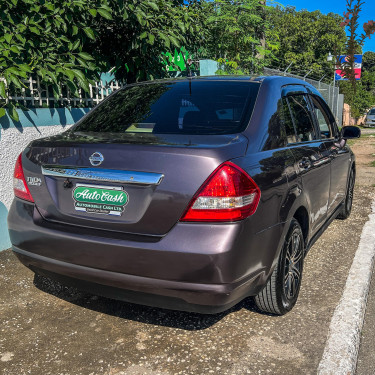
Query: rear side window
300, 112
182, 107
276, 131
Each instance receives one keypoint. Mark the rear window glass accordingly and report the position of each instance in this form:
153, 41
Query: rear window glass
195, 107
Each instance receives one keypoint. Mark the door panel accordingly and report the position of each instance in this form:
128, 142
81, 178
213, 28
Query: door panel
339, 173
311, 157
313, 166
338, 152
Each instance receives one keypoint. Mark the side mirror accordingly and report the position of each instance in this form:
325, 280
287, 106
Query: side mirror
349, 132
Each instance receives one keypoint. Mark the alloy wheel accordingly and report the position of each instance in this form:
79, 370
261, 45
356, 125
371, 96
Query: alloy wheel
293, 265
349, 200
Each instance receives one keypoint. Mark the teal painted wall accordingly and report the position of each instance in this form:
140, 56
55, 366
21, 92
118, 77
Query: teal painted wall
4, 237
208, 67
43, 117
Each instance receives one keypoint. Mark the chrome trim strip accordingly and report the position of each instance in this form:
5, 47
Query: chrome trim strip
97, 174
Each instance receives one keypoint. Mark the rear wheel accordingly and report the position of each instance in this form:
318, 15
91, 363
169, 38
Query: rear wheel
281, 291
347, 208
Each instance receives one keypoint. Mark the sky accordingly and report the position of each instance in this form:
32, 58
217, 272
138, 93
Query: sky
338, 6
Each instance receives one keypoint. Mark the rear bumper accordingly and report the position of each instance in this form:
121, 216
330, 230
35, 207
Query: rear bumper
202, 298
195, 267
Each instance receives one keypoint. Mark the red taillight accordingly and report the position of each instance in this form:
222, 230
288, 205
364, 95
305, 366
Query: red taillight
229, 194
20, 187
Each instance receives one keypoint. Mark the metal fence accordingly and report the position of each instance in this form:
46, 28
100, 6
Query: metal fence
34, 94
329, 92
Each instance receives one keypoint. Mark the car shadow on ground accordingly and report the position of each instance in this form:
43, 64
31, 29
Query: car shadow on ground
139, 313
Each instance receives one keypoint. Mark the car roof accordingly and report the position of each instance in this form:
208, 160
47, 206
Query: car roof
276, 80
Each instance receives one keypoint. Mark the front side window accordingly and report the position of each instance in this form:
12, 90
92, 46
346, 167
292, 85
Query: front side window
300, 111
323, 118
182, 107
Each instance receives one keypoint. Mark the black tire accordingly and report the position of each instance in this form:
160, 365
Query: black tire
281, 291
347, 207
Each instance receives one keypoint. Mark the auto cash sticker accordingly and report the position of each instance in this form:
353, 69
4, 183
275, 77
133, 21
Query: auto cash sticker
106, 200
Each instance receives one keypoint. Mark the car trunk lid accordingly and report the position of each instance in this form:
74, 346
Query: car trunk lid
130, 183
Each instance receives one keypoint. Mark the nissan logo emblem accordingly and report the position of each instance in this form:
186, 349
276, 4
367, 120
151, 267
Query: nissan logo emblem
96, 159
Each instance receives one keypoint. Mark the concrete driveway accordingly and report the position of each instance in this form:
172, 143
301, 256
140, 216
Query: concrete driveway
46, 328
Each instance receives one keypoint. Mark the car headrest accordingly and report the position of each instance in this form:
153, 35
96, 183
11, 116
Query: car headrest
192, 118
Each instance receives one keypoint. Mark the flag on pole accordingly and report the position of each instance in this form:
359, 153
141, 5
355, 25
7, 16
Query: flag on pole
340, 73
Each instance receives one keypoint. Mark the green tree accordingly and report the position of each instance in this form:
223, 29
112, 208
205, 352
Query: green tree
69, 42
368, 62
365, 93
133, 40
47, 38
354, 41
235, 30
305, 40
364, 97
359, 94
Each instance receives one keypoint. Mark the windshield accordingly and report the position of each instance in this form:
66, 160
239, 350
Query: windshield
183, 107
371, 112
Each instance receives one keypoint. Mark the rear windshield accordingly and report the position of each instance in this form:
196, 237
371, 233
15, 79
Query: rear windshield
372, 112
184, 107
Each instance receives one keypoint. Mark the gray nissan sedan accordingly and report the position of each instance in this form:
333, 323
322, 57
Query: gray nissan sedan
189, 194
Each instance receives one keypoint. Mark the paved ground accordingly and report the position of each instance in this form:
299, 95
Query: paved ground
368, 130
49, 329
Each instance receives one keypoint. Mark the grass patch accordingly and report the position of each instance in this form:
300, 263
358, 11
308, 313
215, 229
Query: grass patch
372, 164
351, 142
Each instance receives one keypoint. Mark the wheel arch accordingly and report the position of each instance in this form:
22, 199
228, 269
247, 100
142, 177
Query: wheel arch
302, 216
300, 213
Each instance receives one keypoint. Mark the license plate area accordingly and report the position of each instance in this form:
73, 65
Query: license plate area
100, 199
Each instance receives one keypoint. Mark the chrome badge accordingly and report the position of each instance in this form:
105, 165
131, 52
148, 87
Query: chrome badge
96, 159
34, 181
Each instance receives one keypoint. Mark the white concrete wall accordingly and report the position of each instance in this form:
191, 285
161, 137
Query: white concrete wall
12, 141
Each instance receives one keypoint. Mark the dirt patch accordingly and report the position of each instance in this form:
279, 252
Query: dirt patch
364, 150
